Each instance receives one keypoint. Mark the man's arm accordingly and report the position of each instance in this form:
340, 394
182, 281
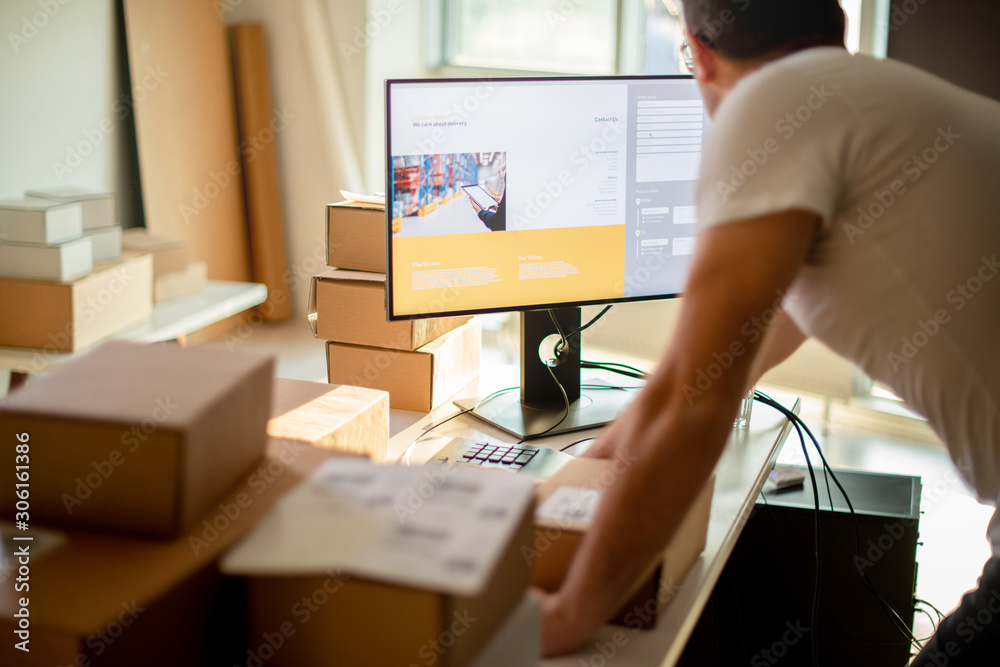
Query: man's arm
676, 428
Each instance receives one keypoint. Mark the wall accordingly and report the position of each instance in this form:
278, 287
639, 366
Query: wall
955, 39
327, 60
66, 118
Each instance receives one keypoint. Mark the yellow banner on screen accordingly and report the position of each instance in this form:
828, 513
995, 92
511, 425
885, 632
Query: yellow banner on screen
497, 270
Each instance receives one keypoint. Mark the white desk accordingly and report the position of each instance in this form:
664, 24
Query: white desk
740, 475
170, 320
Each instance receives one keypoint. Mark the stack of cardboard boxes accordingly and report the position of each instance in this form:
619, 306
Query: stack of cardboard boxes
421, 363
64, 280
142, 466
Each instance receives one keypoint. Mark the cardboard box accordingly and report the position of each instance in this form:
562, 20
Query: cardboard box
107, 243
180, 283
385, 587
355, 236
97, 208
32, 261
420, 379
68, 316
349, 307
169, 255
104, 600
566, 503
140, 438
36, 221
345, 418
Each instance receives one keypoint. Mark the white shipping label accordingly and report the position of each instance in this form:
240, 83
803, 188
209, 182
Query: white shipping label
570, 503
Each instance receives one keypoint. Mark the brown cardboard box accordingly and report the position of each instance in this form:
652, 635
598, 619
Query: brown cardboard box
349, 307
558, 537
104, 600
169, 255
307, 587
355, 236
370, 623
68, 316
420, 379
180, 283
349, 419
139, 438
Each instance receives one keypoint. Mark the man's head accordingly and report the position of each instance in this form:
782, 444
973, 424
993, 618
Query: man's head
732, 37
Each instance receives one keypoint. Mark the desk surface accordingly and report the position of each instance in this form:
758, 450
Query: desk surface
170, 319
740, 475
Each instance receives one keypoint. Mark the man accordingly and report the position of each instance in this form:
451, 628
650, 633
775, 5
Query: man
867, 194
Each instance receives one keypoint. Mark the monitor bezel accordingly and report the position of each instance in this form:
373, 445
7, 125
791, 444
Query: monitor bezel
389, 310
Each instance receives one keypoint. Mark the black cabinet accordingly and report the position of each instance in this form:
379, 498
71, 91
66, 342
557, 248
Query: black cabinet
761, 610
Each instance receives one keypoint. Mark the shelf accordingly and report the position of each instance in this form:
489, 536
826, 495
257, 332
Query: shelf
170, 320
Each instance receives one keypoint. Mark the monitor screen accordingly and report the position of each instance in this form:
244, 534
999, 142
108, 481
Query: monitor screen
531, 193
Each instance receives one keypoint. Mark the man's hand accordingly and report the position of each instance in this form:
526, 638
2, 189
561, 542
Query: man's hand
561, 633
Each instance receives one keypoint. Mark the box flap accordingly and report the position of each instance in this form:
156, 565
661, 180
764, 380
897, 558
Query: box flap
439, 528
351, 203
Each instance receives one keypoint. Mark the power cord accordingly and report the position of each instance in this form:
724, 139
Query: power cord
405, 457
615, 367
574, 444
564, 338
565, 413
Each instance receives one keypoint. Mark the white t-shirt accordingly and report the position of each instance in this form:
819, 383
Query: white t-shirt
904, 170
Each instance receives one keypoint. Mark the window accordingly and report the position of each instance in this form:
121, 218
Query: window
578, 36
583, 36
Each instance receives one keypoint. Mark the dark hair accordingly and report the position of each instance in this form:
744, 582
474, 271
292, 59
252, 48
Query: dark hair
754, 29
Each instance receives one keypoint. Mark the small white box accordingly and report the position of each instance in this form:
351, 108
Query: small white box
39, 221
107, 243
98, 207
61, 262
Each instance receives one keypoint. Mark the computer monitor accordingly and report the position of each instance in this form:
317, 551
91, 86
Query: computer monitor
530, 194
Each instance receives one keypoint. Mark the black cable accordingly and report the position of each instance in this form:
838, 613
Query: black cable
941, 615
930, 618
423, 434
573, 444
581, 329
613, 367
818, 577
564, 338
615, 364
565, 413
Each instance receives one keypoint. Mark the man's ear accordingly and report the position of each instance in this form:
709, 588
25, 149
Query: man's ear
705, 64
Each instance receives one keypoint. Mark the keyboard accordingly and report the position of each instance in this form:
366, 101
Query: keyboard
538, 462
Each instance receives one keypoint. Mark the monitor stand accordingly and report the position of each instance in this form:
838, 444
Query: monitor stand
540, 404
